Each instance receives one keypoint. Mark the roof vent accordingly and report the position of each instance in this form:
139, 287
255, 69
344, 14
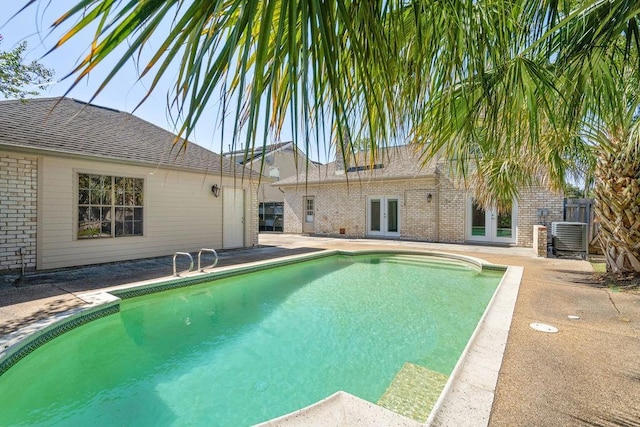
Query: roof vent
365, 167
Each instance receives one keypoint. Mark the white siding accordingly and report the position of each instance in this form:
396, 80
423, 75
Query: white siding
288, 163
180, 214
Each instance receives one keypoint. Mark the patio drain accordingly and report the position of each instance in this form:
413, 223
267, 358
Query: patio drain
542, 327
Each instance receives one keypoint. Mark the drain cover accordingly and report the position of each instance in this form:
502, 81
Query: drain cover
542, 327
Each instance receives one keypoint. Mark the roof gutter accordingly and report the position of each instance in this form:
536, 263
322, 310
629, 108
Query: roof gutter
357, 180
71, 155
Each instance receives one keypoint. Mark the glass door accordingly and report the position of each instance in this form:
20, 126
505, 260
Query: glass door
489, 225
383, 216
478, 229
503, 226
392, 217
375, 215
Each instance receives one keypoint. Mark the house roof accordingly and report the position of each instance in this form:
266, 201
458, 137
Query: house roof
72, 127
257, 152
400, 162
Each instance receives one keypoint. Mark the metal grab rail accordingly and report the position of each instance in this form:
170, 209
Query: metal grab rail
174, 262
215, 262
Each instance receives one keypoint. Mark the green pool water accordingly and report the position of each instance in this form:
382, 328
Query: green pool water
249, 348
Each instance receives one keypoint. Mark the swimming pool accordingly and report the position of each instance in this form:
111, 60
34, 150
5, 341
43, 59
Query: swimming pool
245, 349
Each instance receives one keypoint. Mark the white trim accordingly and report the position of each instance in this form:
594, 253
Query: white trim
384, 204
514, 226
491, 226
233, 225
75, 205
308, 226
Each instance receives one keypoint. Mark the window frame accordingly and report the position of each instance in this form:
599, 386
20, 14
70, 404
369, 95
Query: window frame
121, 218
274, 172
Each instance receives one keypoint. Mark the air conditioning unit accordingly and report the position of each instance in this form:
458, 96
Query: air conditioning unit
569, 238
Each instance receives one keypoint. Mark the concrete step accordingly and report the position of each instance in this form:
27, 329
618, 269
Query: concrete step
413, 392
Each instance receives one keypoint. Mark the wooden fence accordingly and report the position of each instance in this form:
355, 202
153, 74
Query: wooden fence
581, 210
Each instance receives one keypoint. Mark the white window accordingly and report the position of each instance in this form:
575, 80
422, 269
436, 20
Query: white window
109, 206
274, 172
309, 209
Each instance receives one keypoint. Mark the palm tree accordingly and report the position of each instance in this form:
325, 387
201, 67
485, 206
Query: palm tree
317, 62
562, 94
616, 143
512, 92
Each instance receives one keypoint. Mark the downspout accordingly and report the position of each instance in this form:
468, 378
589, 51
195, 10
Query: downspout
18, 280
437, 206
21, 251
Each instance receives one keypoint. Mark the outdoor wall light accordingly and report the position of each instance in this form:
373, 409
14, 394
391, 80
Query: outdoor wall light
429, 197
215, 190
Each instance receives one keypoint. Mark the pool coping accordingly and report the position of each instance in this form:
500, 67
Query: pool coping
18, 344
470, 390
467, 393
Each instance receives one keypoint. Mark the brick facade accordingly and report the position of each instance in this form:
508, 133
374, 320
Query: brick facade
452, 203
293, 209
18, 211
345, 206
251, 232
531, 201
540, 240
443, 219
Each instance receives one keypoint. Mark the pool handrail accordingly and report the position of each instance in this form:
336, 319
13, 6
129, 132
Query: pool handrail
174, 262
215, 262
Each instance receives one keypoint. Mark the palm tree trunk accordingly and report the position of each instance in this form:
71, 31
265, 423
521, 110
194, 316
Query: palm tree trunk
617, 206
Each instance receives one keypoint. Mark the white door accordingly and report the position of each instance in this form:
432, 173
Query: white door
309, 207
383, 216
232, 217
489, 225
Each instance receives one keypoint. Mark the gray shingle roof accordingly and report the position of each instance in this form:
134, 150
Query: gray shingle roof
65, 125
401, 162
254, 152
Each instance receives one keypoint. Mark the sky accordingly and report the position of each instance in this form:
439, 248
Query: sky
33, 25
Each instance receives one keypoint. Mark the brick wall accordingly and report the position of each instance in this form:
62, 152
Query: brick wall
345, 206
293, 197
337, 206
18, 196
540, 240
452, 201
251, 232
441, 220
453, 210
419, 212
530, 201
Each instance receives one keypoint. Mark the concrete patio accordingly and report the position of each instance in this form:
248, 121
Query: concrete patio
587, 374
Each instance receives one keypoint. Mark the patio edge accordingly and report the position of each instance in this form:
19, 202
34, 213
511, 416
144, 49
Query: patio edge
470, 391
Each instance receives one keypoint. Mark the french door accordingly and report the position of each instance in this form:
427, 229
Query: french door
383, 216
489, 225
